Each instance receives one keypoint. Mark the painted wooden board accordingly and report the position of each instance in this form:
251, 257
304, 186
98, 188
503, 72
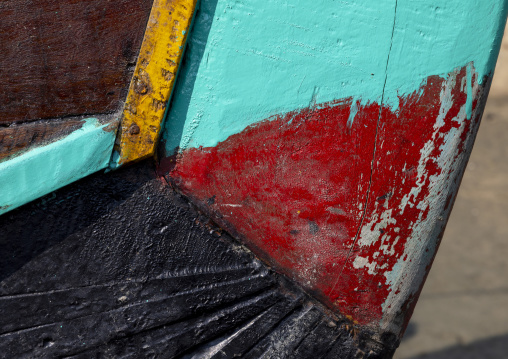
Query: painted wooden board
46, 168
331, 138
153, 80
18, 138
68, 58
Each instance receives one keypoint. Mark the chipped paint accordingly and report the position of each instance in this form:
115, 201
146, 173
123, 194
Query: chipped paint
153, 80
292, 187
335, 151
47, 168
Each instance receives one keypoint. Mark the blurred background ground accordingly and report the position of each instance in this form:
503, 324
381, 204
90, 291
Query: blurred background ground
463, 309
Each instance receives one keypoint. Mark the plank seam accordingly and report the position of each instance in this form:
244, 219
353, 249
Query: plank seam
373, 153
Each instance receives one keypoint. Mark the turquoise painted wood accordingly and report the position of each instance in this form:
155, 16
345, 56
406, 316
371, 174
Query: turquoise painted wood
253, 59
47, 168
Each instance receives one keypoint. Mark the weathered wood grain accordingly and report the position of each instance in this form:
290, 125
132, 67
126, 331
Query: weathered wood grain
67, 57
20, 137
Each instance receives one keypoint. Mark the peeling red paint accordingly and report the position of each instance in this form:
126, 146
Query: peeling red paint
401, 139
297, 188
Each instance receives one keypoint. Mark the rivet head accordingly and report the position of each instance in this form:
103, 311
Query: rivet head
134, 129
140, 86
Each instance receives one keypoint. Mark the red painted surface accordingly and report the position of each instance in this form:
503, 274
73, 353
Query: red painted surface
402, 137
296, 188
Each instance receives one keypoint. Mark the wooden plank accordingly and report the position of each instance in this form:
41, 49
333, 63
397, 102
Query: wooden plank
47, 168
18, 138
153, 79
67, 57
58, 305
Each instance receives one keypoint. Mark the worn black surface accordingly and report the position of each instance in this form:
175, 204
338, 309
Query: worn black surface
117, 265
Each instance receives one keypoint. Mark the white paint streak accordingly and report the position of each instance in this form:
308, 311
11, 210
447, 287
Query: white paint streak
406, 277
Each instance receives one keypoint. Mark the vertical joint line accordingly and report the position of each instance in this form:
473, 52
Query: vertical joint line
373, 153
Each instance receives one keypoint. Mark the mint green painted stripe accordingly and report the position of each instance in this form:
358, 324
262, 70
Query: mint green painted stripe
248, 60
47, 168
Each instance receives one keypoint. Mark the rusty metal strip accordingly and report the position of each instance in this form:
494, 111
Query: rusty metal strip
153, 80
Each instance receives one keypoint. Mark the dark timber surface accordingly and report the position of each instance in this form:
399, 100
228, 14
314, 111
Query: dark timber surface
118, 265
72, 57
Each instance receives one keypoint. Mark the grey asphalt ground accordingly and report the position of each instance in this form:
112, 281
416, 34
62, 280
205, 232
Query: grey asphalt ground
463, 310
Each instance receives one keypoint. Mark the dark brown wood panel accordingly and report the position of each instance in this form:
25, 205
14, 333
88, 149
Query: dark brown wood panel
67, 57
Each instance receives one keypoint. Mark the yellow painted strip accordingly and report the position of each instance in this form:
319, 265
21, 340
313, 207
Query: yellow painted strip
153, 80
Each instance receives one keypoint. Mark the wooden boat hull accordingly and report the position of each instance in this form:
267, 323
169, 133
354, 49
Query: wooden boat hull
121, 265
330, 141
